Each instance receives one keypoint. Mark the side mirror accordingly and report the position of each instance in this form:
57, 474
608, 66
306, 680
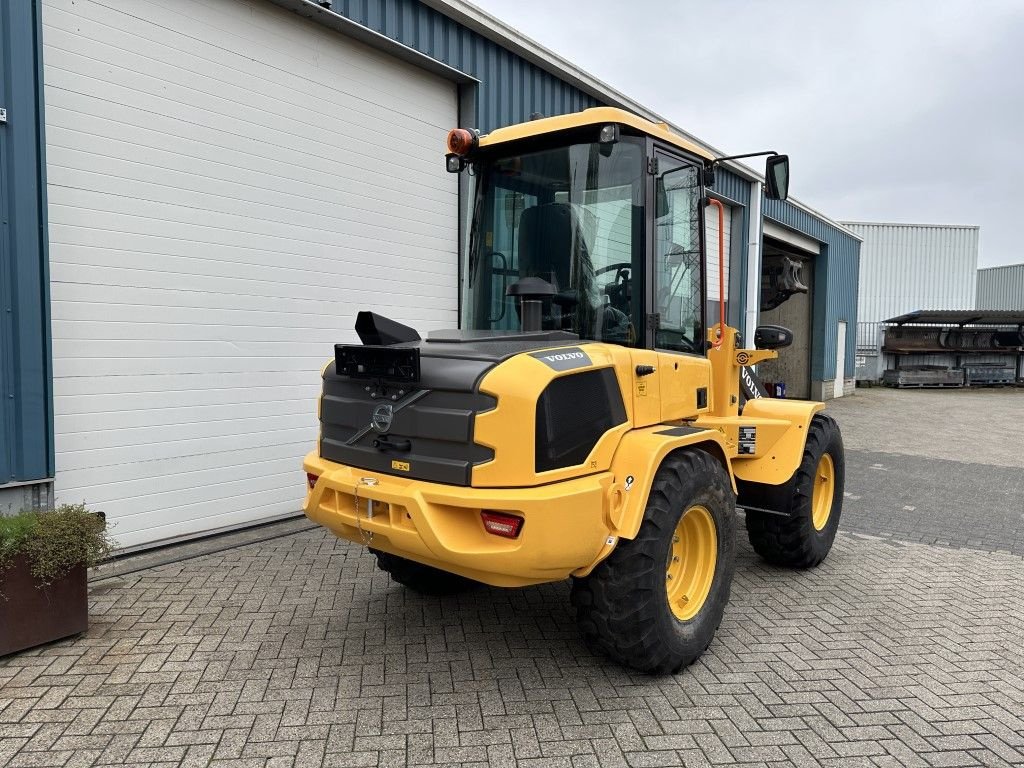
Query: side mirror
772, 337
776, 177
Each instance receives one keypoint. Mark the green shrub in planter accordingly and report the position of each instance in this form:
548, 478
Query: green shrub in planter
43, 561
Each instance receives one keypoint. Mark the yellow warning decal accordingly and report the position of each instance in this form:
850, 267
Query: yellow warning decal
401, 466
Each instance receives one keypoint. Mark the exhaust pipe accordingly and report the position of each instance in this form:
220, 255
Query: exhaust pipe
531, 291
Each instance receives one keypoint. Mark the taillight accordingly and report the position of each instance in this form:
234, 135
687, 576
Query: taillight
311, 479
501, 524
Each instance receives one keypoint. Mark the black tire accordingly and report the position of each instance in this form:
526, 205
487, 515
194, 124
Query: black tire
793, 540
422, 578
622, 607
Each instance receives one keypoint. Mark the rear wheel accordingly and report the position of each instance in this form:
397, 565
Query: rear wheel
422, 578
811, 502
655, 602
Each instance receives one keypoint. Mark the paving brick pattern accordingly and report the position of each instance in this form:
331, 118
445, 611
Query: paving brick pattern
296, 651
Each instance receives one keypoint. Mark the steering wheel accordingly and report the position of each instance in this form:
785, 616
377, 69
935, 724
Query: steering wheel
619, 265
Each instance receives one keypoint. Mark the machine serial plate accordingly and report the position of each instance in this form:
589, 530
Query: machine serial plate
747, 440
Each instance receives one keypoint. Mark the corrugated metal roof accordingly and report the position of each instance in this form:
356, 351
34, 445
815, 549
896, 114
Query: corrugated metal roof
904, 267
959, 317
1001, 287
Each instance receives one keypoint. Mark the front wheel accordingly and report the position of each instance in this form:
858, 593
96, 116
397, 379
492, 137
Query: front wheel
655, 602
811, 503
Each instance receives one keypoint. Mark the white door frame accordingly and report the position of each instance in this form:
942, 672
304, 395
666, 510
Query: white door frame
840, 379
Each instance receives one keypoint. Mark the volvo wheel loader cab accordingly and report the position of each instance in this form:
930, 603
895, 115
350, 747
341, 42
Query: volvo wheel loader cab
588, 420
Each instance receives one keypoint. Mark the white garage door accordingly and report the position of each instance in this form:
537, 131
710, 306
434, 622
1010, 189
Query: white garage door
228, 185
711, 240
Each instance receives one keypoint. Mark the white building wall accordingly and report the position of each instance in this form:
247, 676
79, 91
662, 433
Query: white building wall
228, 185
904, 267
1001, 287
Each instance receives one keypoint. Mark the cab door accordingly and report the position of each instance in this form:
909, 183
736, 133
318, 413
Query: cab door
676, 302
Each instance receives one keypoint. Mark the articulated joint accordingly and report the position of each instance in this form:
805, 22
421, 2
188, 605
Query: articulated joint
754, 356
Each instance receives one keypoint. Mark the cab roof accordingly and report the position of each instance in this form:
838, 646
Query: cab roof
592, 116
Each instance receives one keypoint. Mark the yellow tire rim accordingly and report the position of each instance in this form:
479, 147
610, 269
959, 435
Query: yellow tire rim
690, 570
824, 492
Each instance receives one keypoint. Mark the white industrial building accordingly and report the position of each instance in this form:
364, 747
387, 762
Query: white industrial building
1001, 288
909, 267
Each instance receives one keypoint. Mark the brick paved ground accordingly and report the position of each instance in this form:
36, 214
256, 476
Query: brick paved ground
295, 651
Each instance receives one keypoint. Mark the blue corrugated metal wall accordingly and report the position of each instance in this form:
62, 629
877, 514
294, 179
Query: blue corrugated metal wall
835, 298
25, 413
510, 88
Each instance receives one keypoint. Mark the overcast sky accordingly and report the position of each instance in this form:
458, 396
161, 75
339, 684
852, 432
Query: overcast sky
890, 111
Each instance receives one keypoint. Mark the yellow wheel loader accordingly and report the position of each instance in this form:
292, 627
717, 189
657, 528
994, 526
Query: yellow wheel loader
587, 421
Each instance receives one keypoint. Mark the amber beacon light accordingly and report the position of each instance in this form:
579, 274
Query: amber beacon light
461, 141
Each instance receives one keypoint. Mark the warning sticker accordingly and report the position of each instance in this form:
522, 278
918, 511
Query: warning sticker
747, 440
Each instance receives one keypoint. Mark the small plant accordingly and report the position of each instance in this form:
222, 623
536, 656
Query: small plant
54, 541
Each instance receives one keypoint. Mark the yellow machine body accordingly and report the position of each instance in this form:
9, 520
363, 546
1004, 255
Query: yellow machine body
572, 517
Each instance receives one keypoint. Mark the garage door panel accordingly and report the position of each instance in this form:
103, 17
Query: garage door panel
314, 258
290, 294
201, 385
123, 38
150, 303
240, 427
72, 330
114, 71
132, 529
139, 399
216, 219
295, 43
93, 210
215, 154
186, 108
216, 320
123, 417
136, 478
175, 203
183, 487
220, 180
227, 450
333, 269
315, 160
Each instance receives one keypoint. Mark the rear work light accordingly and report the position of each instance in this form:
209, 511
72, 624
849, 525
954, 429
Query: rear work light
311, 479
501, 524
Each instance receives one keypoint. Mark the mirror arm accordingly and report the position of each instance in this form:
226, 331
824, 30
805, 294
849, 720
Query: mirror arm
718, 160
710, 165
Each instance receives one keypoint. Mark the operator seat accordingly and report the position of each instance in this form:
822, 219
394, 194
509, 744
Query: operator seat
552, 247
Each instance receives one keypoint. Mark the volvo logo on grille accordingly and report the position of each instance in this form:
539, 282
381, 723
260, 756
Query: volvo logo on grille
382, 416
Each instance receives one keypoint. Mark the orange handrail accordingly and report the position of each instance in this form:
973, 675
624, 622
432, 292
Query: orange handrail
721, 270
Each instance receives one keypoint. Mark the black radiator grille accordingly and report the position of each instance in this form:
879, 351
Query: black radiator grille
572, 413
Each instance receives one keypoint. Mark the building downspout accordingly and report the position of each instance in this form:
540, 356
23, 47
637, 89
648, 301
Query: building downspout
753, 264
